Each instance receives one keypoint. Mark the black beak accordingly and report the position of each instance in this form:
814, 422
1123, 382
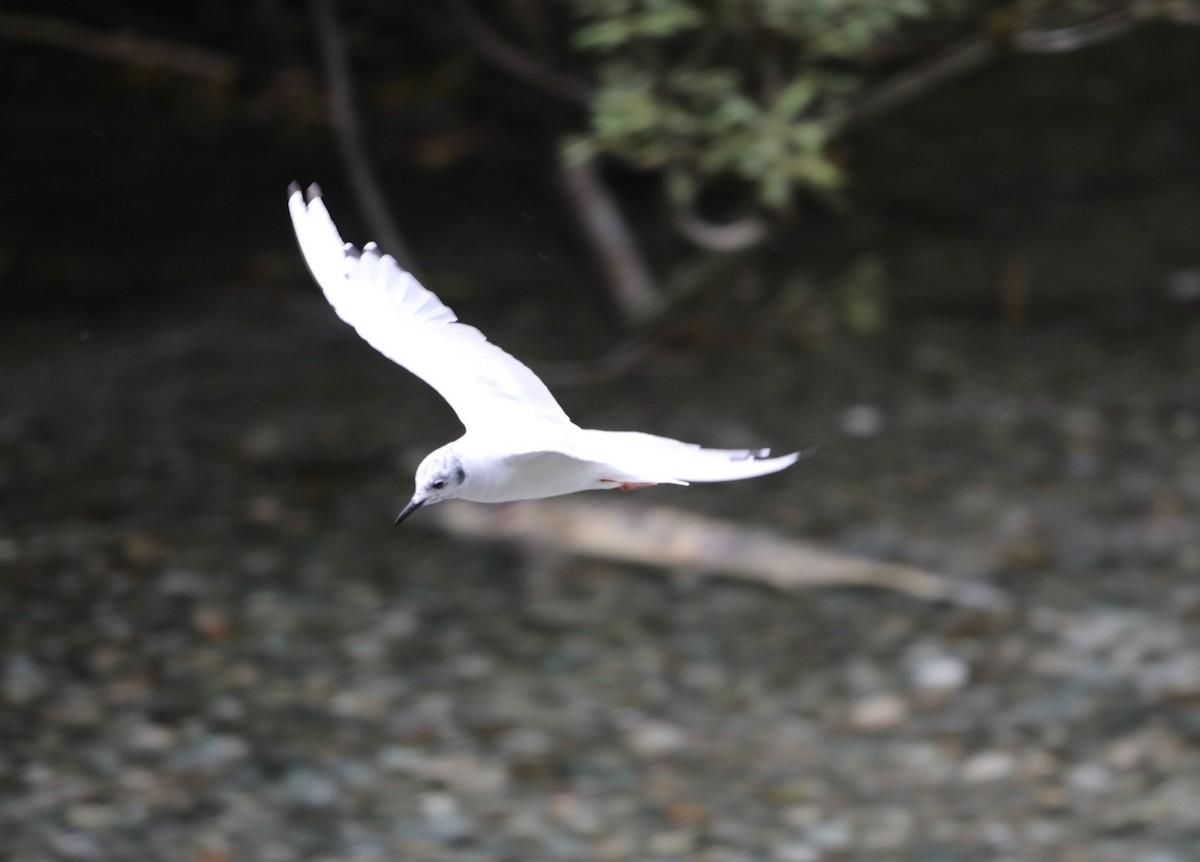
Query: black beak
409, 509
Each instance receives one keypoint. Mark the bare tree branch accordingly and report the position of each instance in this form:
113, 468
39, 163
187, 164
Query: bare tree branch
633, 289
975, 51
122, 47
342, 116
1072, 37
952, 62
513, 61
708, 272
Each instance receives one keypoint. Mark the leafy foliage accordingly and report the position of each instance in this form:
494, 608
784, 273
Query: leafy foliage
752, 89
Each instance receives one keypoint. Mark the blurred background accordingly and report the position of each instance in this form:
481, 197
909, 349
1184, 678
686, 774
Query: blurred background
951, 245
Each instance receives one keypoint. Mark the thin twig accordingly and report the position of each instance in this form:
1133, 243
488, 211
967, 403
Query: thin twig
1059, 40
685, 286
122, 47
347, 131
1104, 27
515, 62
614, 365
971, 53
952, 62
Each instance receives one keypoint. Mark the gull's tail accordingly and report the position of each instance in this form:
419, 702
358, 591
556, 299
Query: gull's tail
637, 457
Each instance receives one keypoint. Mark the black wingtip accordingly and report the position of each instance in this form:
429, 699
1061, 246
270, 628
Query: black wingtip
750, 455
312, 193
805, 454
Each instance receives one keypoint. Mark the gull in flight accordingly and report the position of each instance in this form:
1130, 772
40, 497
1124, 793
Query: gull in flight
519, 444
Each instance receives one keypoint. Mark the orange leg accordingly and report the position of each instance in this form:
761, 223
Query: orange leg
629, 486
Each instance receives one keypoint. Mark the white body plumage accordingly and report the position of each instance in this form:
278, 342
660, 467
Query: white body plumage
519, 444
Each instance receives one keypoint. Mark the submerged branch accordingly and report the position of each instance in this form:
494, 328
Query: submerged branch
674, 539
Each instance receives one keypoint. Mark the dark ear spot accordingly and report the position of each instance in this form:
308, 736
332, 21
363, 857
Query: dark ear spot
459, 473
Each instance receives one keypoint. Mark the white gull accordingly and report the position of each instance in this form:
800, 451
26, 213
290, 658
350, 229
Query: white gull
519, 444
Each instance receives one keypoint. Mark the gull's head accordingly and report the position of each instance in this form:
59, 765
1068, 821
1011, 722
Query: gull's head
440, 477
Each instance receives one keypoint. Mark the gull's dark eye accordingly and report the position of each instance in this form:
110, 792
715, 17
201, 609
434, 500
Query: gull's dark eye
438, 484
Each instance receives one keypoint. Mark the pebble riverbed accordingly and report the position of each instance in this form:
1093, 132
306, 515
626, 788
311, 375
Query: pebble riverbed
216, 647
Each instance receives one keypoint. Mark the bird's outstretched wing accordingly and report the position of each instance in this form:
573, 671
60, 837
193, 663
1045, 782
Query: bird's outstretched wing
630, 456
393, 313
